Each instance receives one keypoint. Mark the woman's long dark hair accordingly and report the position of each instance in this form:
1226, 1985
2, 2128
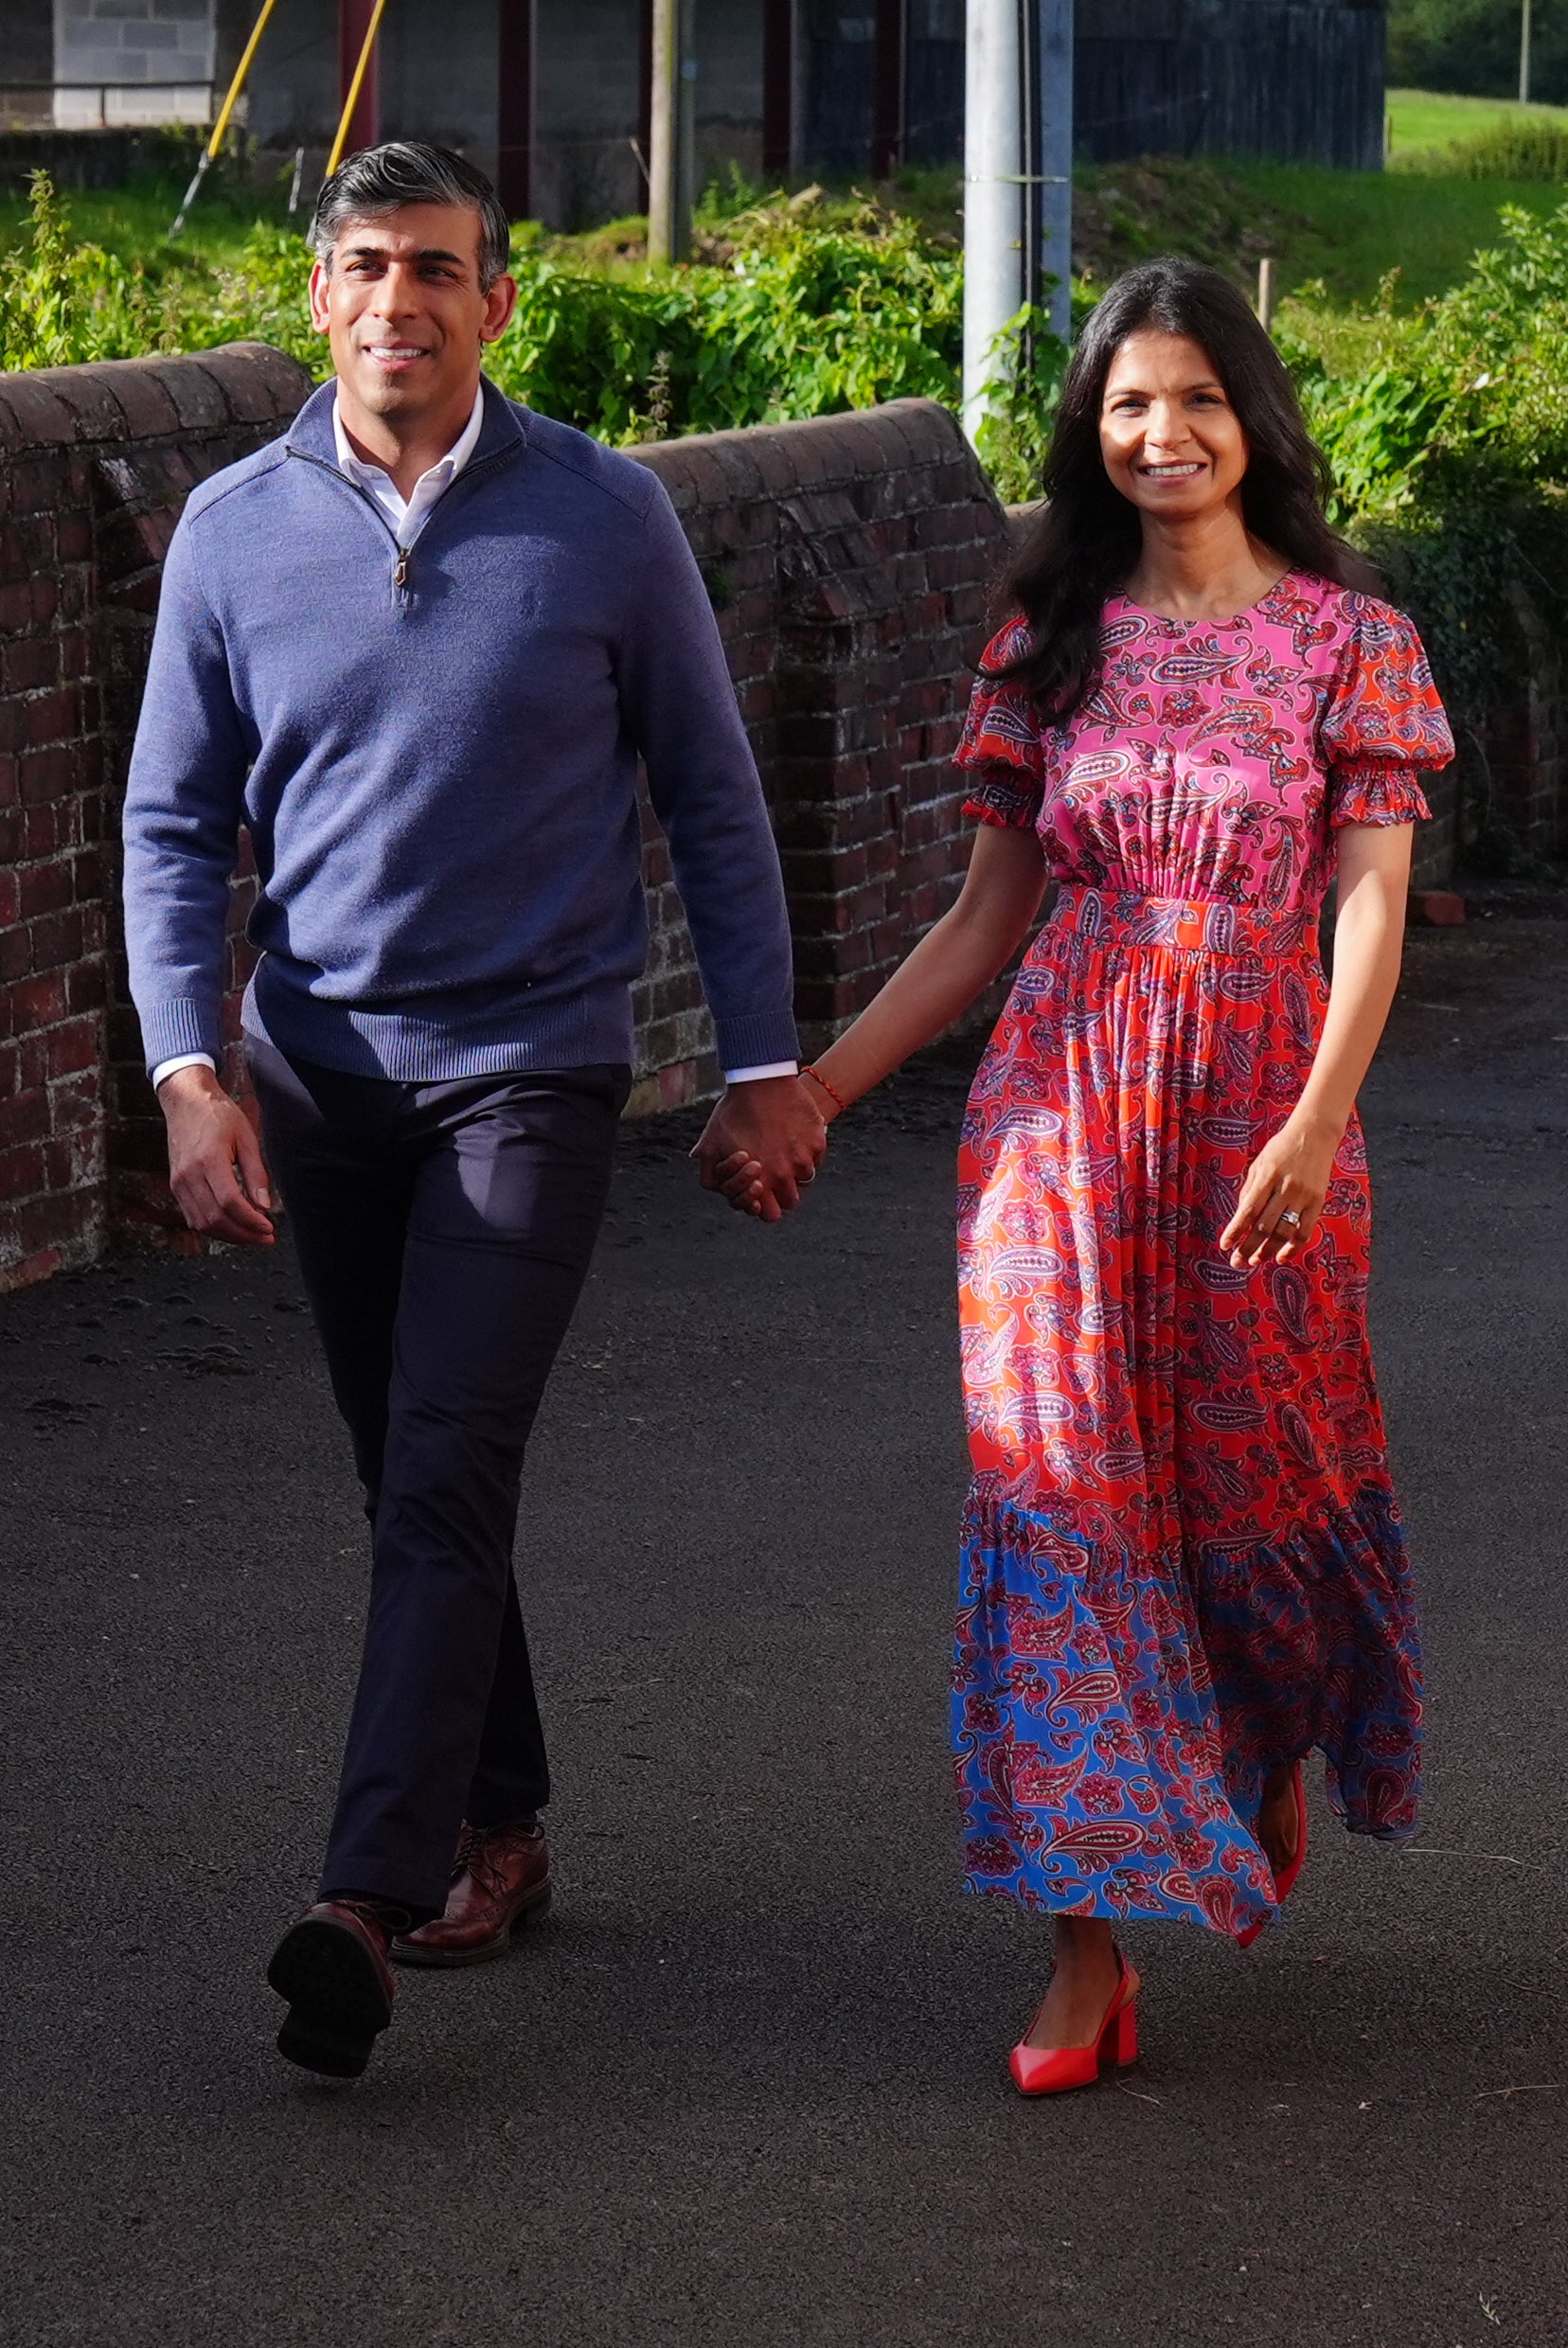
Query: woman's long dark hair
1086, 542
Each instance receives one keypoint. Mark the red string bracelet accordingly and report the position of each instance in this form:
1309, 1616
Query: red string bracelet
831, 1089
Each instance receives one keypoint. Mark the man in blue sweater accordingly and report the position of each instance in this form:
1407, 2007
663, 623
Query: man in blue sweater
418, 647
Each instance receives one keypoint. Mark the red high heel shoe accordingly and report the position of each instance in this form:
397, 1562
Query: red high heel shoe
1052, 2070
1284, 1882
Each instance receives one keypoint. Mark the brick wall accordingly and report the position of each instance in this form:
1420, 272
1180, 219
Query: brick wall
1518, 781
849, 562
96, 464
852, 562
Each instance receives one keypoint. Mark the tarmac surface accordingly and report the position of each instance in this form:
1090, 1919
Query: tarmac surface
747, 2086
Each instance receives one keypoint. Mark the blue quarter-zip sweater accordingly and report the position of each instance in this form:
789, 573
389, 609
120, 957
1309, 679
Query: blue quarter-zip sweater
436, 758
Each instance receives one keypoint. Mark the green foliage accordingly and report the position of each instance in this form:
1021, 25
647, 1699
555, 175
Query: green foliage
61, 301
1530, 147
805, 315
1473, 46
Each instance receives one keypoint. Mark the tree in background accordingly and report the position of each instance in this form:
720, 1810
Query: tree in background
1472, 47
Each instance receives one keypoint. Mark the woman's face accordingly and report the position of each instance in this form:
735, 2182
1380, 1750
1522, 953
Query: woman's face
1168, 434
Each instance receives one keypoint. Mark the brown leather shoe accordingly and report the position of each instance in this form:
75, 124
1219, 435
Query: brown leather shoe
331, 1966
501, 1880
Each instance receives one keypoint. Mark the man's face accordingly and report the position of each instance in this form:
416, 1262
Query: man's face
403, 313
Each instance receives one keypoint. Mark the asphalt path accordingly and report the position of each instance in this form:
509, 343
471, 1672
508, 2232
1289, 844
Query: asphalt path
747, 2086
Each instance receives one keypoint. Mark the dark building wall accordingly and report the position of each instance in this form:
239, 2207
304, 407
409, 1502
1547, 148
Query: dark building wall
1230, 76
1280, 77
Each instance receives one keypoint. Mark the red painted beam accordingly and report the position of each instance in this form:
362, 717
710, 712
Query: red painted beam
887, 93
354, 24
778, 85
516, 89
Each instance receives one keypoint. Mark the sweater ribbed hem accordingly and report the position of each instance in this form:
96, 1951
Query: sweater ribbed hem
179, 1025
586, 1030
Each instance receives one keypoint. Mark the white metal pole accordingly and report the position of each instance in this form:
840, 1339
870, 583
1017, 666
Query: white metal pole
1524, 53
993, 192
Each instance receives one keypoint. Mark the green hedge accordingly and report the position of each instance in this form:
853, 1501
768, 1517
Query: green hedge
1447, 424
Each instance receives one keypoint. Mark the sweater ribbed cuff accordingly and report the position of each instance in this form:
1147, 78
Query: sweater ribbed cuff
756, 1038
181, 1024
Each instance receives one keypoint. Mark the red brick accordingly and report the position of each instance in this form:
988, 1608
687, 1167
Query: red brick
29, 1002
46, 774
44, 888
22, 1171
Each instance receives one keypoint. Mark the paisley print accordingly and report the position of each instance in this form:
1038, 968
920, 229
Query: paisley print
1183, 1565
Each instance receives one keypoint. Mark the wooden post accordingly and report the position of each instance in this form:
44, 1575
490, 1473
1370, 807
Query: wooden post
663, 107
668, 136
1266, 294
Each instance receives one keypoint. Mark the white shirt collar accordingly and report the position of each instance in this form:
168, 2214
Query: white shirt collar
440, 476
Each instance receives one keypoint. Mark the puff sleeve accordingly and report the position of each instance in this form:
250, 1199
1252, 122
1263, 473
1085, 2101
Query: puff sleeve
1384, 724
1001, 744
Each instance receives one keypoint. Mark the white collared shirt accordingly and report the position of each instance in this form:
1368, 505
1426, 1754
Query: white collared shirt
408, 518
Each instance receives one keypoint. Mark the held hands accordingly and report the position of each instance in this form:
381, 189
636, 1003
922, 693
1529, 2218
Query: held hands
1283, 1194
216, 1169
762, 1144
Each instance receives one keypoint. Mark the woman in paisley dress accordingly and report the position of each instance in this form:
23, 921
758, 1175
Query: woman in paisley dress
1183, 1569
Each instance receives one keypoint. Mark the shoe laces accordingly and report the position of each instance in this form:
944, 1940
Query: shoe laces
479, 1850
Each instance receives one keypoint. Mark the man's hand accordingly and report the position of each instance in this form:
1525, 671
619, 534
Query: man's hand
216, 1169
761, 1145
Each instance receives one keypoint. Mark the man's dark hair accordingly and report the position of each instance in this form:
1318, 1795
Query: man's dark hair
380, 180
1085, 542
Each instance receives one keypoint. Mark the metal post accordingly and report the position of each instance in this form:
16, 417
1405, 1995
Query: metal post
1048, 160
993, 190
1525, 52
215, 142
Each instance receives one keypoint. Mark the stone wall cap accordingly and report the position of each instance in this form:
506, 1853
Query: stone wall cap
76, 406
810, 452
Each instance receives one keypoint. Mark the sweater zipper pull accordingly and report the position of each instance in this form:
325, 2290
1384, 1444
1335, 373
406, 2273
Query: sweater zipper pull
400, 576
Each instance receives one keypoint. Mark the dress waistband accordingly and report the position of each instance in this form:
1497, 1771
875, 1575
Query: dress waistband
1191, 924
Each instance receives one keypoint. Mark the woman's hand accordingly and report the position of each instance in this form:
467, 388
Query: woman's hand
739, 1178
1289, 1176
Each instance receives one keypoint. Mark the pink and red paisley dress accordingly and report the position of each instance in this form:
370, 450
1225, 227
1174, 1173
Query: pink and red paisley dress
1183, 1564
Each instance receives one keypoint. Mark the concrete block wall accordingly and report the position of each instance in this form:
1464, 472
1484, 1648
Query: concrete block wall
147, 48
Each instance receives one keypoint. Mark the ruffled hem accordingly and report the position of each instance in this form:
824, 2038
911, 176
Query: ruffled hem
1115, 1715
1376, 792
996, 798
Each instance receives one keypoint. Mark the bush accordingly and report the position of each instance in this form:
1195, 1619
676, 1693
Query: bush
1532, 146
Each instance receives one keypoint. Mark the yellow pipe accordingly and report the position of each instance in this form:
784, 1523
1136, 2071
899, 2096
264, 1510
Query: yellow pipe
238, 83
209, 151
354, 87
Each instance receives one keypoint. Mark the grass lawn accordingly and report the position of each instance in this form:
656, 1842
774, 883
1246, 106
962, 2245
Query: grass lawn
132, 221
1428, 118
1356, 225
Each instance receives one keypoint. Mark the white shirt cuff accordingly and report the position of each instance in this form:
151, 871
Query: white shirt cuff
753, 1076
183, 1059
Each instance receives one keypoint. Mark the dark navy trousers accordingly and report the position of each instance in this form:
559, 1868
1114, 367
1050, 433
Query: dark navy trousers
443, 1232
